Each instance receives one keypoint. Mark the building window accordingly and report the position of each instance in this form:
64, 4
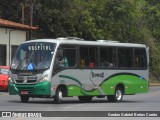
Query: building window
3, 55
14, 48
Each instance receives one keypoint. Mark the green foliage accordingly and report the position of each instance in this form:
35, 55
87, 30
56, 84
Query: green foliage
136, 21
10, 10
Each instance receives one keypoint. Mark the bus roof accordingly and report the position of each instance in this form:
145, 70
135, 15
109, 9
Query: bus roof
84, 42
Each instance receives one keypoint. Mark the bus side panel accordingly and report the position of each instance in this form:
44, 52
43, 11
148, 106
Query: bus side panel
132, 84
77, 81
78, 91
80, 82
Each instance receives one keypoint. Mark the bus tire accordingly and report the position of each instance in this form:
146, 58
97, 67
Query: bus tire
58, 97
24, 98
85, 98
117, 97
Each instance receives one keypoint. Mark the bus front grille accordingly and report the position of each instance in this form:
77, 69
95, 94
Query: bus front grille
26, 79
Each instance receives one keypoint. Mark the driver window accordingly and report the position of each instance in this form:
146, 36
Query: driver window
66, 57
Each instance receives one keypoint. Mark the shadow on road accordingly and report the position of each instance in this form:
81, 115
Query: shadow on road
4, 91
51, 101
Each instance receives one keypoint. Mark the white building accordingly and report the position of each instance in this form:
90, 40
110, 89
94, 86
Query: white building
11, 35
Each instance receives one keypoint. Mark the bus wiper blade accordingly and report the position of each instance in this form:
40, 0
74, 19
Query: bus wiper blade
20, 63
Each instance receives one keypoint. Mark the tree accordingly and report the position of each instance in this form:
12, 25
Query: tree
10, 10
136, 21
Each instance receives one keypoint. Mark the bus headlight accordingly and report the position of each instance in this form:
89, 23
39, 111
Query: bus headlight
43, 78
10, 79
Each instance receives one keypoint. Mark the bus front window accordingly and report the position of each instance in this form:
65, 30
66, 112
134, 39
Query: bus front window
31, 56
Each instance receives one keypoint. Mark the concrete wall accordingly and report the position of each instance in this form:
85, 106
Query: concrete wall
12, 37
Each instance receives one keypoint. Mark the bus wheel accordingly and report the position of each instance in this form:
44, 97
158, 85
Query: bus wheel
24, 98
117, 97
85, 98
58, 97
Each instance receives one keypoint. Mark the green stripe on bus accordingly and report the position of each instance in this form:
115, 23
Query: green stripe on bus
72, 78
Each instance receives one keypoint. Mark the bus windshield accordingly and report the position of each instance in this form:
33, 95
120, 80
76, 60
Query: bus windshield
33, 56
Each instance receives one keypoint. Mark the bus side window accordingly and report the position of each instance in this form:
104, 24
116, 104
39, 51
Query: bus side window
144, 58
82, 62
137, 58
84, 55
72, 59
140, 58
107, 57
129, 58
93, 57
88, 56
121, 57
65, 58
125, 57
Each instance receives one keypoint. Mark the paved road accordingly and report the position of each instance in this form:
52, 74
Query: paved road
139, 102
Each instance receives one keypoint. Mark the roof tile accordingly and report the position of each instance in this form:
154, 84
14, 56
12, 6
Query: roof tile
7, 23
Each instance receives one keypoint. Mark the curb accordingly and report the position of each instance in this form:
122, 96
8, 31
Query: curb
154, 84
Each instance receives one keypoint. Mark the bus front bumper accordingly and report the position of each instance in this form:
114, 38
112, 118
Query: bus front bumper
39, 89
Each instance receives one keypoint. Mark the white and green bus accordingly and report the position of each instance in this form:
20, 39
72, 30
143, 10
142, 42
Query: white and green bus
67, 67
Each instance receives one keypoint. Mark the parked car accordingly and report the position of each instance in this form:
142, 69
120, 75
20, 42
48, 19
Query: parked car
4, 70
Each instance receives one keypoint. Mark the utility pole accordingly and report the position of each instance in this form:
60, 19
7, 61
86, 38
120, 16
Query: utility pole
31, 13
31, 17
24, 4
22, 13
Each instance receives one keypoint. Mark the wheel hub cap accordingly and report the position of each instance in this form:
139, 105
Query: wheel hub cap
60, 95
118, 95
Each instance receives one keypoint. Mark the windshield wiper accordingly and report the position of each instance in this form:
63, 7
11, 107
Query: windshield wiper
32, 53
27, 57
20, 63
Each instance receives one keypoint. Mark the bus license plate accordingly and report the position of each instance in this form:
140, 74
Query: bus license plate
24, 92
